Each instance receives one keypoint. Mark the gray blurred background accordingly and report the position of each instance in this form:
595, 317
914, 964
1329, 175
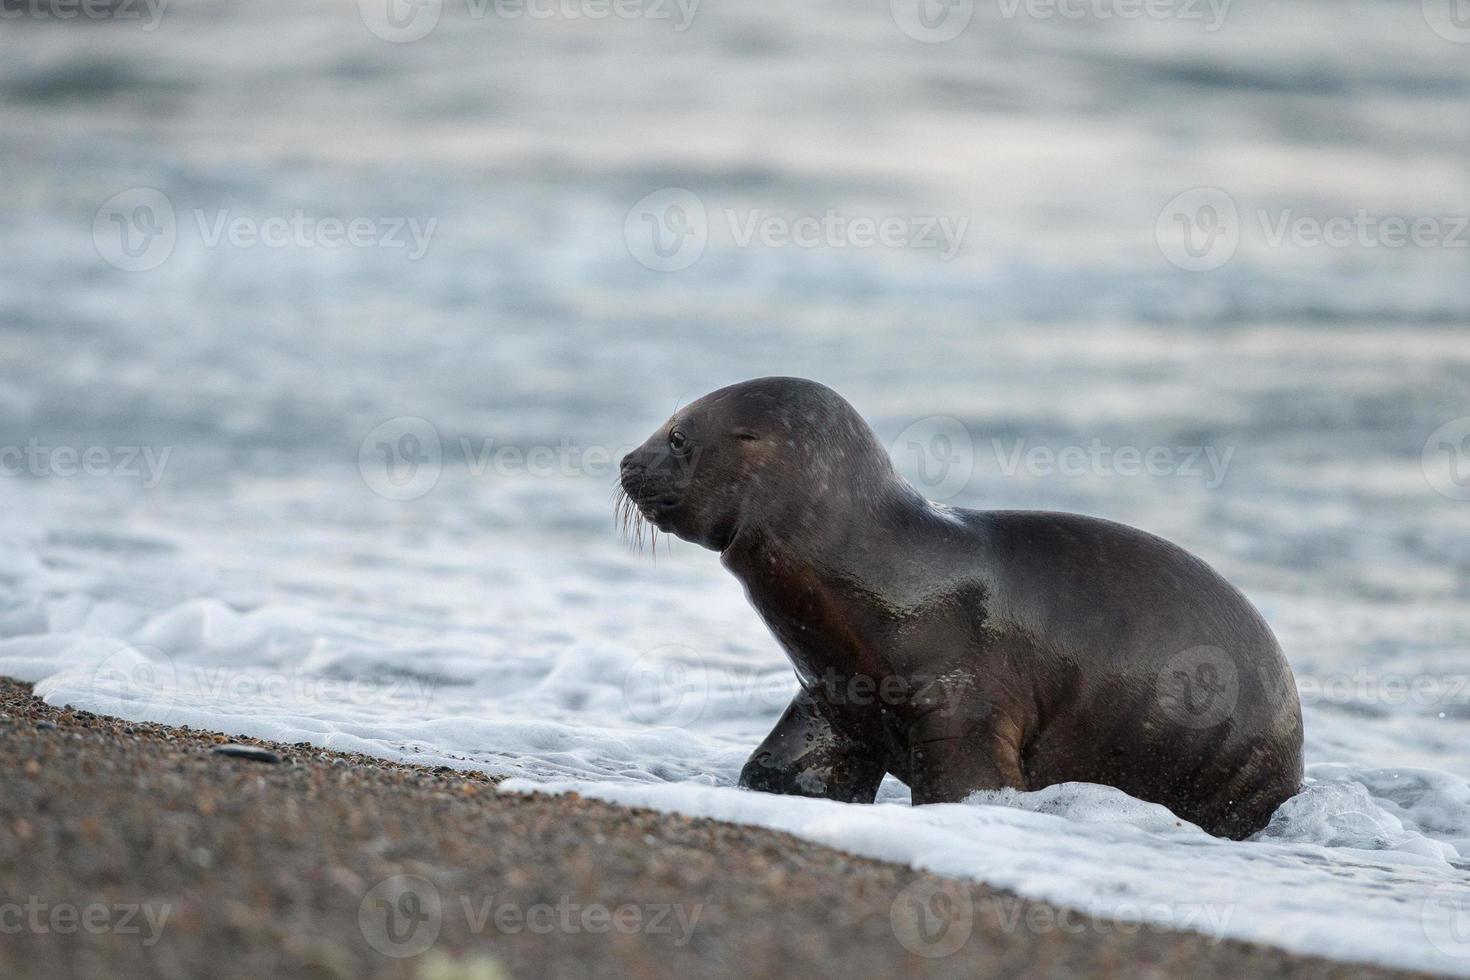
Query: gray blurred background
254, 234
526, 135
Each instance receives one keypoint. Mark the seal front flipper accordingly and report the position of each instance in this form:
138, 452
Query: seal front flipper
806, 755
957, 748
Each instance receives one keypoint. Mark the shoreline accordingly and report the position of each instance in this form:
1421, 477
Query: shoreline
138, 849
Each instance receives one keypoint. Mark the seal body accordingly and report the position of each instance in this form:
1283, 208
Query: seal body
966, 650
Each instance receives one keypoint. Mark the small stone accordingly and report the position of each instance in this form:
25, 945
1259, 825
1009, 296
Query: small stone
46, 726
252, 752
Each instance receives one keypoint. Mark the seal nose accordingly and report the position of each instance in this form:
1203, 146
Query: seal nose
630, 474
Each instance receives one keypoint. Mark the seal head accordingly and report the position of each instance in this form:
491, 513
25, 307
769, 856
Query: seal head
775, 455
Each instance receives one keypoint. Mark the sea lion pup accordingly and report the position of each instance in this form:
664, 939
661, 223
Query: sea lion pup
966, 650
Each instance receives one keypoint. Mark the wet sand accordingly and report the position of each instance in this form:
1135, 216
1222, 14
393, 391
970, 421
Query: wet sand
132, 850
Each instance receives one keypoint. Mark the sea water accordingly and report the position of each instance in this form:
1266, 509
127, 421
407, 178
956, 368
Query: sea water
359, 495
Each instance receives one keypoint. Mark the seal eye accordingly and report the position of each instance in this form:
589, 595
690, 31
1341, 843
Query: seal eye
678, 443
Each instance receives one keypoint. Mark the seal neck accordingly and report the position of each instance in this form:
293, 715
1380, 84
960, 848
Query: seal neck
833, 531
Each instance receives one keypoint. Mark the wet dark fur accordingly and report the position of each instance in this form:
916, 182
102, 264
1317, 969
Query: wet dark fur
963, 650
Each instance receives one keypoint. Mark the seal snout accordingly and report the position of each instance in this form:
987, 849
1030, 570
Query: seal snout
641, 481
650, 489
645, 497
633, 478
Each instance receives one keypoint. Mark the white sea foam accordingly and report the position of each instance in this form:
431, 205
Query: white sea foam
593, 671
263, 587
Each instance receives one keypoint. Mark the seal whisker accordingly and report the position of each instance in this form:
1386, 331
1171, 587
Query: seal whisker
632, 524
